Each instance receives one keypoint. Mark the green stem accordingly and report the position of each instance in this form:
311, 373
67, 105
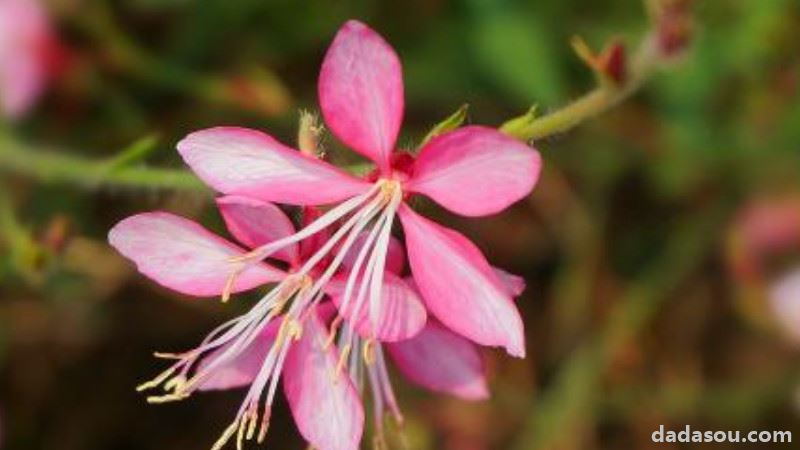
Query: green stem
53, 167
602, 98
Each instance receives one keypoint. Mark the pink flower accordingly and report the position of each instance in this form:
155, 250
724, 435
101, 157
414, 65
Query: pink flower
27, 52
472, 171
273, 337
345, 253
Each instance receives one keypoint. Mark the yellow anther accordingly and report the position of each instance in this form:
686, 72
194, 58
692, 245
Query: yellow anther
164, 355
155, 381
332, 332
156, 400
226, 435
251, 428
226, 291
175, 384
368, 352
341, 363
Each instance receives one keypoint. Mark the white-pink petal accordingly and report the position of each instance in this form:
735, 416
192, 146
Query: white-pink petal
442, 361
402, 313
514, 284
458, 285
182, 255
255, 222
361, 92
325, 404
475, 171
247, 162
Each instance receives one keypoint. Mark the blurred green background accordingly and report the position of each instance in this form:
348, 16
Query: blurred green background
636, 314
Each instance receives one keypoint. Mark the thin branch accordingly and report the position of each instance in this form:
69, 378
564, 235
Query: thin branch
53, 167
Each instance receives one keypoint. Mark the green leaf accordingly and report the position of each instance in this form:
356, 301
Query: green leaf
450, 123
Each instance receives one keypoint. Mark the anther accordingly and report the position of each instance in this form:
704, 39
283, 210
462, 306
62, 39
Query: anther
226, 291
368, 352
332, 332
226, 435
155, 381
175, 384
157, 400
341, 363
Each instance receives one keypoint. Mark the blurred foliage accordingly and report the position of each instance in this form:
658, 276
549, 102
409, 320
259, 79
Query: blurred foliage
633, 318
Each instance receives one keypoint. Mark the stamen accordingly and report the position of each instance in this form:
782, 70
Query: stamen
175, 384
226, 291
332, 332
163, 355
156, 381
226, 435
345, 352
314, 227
262, 430
157, 400
369, 352
240, 430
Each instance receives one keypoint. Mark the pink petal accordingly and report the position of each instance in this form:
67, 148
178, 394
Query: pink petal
325, 405
402, 313
24, 34
475, 171
361, 92
458, 285
182, 255
242, 370
442, 361
255, 222
395, 259
514, 284
248, 162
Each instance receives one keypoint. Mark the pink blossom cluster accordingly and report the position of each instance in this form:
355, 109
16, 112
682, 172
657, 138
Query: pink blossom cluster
344, 296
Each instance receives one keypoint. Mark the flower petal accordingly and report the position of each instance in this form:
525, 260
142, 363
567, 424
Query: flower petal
402, 313
442, 361
475, 171
361, 92
182, 255
248, 162
26, 37
243, 369
324, 403
395, 259
514, 284
255, 222
458, 285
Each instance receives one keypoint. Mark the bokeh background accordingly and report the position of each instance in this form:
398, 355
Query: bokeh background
651, 247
